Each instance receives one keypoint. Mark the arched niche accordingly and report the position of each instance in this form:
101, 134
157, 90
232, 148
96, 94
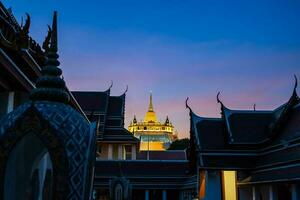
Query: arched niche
28, 144
29, 171
119, 192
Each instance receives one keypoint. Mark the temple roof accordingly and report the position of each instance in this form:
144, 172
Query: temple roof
21, 56
149, 168
248, 127
92, 101
108, 111
15, 38
162, 155
238, 138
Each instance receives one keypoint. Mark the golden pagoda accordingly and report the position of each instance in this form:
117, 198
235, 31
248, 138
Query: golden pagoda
154, 135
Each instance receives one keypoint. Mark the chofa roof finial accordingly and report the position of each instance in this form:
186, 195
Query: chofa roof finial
25, 28
111, 84
220, 102
296, 85
126, 89
187, 105
218, 99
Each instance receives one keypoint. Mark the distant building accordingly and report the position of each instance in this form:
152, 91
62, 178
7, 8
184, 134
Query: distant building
154, 135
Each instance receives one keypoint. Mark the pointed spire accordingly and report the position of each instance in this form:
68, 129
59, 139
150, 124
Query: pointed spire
134, 119
150, 109
50, 86
167, 120
150, 114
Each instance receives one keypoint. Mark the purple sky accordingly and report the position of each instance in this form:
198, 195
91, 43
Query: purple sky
177, 49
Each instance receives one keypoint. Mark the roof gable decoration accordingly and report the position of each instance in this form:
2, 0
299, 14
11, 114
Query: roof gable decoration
225, 112
109, 88
194, 119
16, 37
282, 113
197, 130
123, 106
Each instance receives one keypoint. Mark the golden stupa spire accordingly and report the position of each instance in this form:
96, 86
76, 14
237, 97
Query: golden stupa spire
150, 109
150, 114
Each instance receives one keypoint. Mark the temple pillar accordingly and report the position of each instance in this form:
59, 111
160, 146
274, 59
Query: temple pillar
10, 102
213, 185
164, 195
133, 152
110, 152
272, 192
255, 193
120, 152
146, 194
295, 191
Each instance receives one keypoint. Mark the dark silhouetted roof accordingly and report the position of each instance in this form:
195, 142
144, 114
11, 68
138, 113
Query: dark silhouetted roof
118, 135
265, 144
92, 101
108, 112
142, 168
248, 127
162, 155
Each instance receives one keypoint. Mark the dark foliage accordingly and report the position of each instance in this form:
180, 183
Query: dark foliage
179, 144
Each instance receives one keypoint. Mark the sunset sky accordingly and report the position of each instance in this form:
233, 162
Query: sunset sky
248, 50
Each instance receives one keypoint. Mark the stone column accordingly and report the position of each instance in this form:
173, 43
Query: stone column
164, 195
110, 152
133, 152
146, 194
10, 102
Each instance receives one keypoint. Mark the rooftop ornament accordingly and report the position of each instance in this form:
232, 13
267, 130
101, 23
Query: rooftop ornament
222, 105
295, 95
111, 84
50, 86
187, 105
25, 28
47, 40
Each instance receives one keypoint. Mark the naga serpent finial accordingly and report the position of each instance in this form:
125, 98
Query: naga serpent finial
186, 103
25, 28
296, 82
111, 84
218, 99
47, 39
126, 89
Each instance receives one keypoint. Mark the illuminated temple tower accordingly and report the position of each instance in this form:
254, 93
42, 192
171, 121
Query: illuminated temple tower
154, 135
